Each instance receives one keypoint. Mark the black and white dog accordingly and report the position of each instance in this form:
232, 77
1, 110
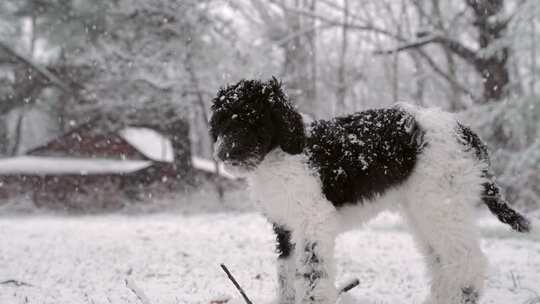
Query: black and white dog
315, 182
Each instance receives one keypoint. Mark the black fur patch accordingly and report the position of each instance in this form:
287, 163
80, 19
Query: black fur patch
284, 246
360, 156
253, 118
469, 295
357, 157
470, 140
492, 197
313, 272
491, 194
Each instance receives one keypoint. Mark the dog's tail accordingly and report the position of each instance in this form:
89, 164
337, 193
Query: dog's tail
492, 197
491, 193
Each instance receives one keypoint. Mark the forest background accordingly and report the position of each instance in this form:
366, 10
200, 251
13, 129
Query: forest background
63, 61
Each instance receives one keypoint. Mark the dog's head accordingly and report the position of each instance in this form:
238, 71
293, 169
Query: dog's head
250, 119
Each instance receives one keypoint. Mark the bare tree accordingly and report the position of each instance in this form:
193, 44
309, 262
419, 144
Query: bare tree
489, 59
296, 35
451, 65
298, 66
341, 93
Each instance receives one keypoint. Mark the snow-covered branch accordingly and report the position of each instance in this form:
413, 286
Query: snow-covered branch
456, 47
39, 69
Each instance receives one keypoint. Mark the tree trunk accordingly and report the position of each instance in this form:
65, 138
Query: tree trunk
299, 52
200, 100
18, 132
454, 93
342, 82
312, 44
493, 65
419, 78
532, 82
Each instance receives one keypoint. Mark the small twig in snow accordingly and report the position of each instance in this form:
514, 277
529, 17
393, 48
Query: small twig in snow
515, 279
233, 280
221, 300
130, 284
88, 298
16, 283
350, 285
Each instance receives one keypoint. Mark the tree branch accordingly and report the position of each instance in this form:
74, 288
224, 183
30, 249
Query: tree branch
454, 46
41, 70
330, 21
302, 32
457, 48
264, 12
405, 47
439, 71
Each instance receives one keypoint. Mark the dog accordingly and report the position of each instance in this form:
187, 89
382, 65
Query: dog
313, 182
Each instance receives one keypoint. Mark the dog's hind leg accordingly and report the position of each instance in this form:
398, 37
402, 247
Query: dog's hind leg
286, 267
315, 265
446, 235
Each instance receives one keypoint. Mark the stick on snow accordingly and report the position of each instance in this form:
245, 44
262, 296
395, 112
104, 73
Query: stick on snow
350, 285
16, 283
233, 280
130, 284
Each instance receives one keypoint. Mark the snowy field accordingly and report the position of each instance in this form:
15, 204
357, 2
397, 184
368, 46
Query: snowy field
175, 257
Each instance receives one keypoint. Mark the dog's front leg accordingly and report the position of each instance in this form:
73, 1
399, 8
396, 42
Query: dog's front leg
286, 267
315, 267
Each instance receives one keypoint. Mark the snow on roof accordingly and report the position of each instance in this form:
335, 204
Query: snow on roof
208, 165
150, 143
61, 165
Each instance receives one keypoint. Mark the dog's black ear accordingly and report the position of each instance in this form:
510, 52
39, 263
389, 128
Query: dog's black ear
288, 122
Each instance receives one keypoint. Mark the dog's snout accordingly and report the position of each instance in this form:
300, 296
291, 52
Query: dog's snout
231, 154
221, 154
228, 151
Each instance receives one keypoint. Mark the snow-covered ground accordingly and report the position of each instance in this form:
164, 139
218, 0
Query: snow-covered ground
174, 258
